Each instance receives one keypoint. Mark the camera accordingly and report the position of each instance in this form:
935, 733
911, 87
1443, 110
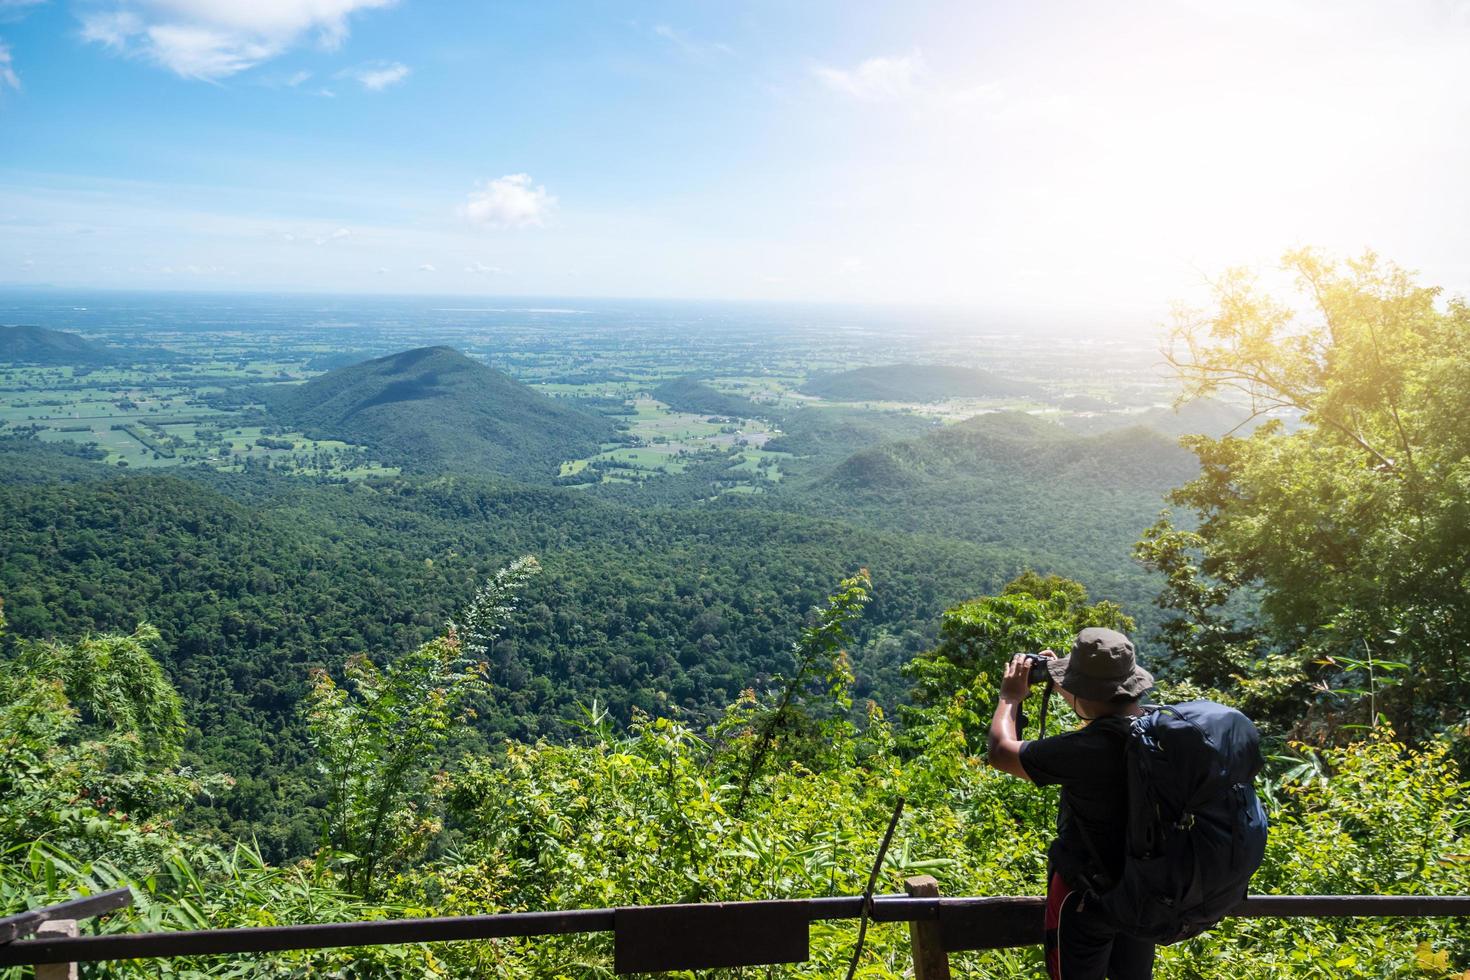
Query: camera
1038, 673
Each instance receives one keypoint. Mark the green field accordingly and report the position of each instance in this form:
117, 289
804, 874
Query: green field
142, 417
669, 442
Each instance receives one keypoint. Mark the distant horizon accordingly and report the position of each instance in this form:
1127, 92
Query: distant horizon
941, 319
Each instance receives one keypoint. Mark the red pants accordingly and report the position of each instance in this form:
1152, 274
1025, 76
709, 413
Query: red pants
1080, 946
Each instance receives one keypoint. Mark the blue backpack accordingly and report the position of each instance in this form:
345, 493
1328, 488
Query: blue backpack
1196, 831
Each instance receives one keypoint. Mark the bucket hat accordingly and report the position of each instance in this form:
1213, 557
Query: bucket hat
1101, 667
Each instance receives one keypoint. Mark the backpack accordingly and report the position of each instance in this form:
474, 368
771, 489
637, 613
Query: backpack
1196, 831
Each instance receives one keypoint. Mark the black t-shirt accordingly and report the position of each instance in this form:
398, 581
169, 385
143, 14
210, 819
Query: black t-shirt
1088, 765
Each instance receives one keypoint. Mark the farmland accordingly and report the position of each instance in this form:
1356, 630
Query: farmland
181, 389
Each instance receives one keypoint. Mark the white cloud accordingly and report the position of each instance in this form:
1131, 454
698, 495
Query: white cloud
508, 202
882, 79
688, 45
377, 75
298, 78
333, 236
112, 28
481, 269
427, 267
7, 73
214, 39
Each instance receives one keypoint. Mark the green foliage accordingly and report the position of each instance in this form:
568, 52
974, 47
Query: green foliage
953, 689
89, 741
120, 691
1355, 527
488, 614
818, 651
376, 744
650, 814
1372, 817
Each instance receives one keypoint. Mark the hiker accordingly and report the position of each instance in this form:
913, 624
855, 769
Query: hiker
1102, 682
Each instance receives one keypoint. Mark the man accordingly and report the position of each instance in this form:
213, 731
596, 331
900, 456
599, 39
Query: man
1103, 683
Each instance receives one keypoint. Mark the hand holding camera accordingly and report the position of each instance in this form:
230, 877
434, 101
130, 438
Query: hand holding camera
1023, 672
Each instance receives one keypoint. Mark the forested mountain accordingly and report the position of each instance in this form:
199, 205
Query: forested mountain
693, 395
1013, 477
435, 410
915, 383
1202, 416
827, 435
52, 348
1023, 446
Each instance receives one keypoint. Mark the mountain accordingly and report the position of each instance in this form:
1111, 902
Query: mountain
1203, 416
435, 410
1012, 480
39, 345
692, 395
1018, 445
915, 383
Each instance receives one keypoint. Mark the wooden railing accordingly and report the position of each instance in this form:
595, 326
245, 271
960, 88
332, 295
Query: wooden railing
648, 939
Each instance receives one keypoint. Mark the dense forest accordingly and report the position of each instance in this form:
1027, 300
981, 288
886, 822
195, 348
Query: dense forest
440, 695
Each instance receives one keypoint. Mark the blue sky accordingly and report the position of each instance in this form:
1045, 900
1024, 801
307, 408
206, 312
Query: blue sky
1036, 155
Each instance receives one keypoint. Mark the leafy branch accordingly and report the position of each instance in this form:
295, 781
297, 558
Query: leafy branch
820, 646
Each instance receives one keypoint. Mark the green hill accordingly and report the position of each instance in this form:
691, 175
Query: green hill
1020, 446
1203, 416
39, 345
915, 383
1013, 479
433, 409
692, 395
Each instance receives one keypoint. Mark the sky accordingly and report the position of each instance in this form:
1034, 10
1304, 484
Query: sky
1068, 157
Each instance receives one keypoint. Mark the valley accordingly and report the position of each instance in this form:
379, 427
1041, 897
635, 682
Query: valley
285, 483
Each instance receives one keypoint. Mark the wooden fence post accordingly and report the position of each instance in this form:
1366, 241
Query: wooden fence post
52, 930
931, 962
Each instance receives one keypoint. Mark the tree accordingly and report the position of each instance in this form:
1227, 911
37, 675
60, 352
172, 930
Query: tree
376, 743
1354, 525
1033, 612
90, 739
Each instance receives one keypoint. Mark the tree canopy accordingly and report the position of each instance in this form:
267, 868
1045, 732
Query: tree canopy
1348, 514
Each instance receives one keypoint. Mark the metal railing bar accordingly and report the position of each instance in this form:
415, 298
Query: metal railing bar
266, 939
22, 924
1367, 906
886, 908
